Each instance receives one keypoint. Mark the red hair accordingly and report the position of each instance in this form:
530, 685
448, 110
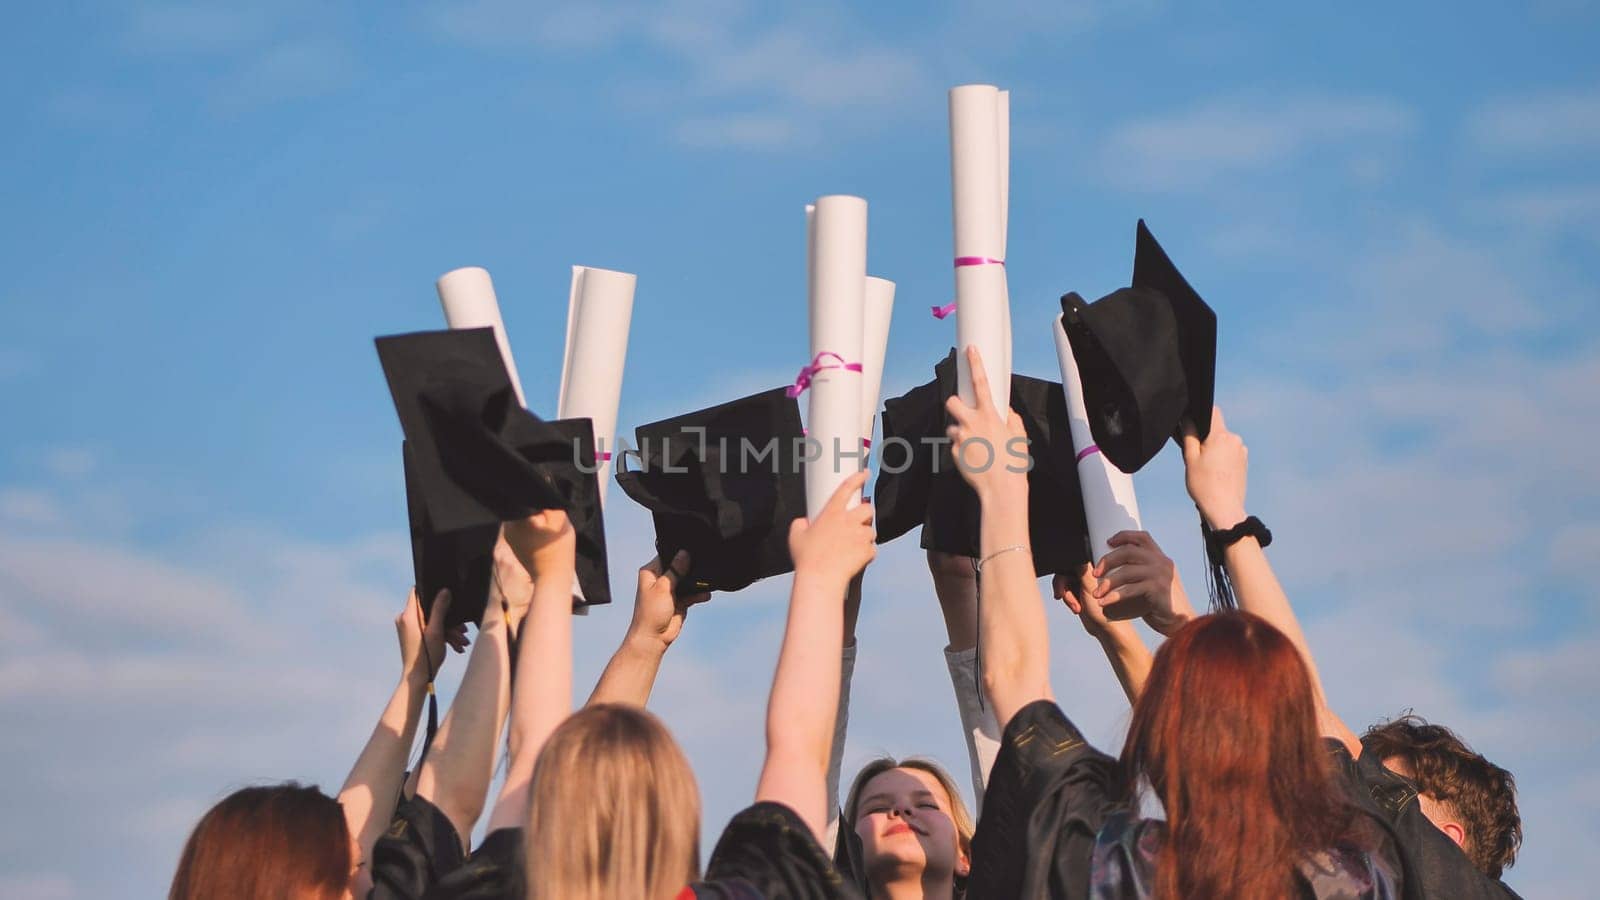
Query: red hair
266, 843
1225, 733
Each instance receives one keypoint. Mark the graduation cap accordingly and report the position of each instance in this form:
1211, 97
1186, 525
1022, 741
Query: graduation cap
478, 458
723, 483
1147, 355
461, 561
927, 489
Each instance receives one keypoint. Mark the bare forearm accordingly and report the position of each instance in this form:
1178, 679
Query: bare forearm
460, 764
542, 696
804, 701
1130, 659
1014, 633
1258, 592
369, 792
631, 673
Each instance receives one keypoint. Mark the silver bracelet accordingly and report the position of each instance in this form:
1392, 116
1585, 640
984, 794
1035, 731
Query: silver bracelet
1003, 550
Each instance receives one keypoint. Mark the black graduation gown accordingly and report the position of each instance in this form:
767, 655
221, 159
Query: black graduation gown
766, 847
1055, 825
420, 857
765, 853
1439, 868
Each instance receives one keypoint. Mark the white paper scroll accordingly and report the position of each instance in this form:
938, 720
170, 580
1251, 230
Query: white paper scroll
979, 139
467, 296
1109, 503
877, 308
599, 310
837, 263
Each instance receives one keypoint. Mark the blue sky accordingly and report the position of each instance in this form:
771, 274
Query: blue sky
210, 210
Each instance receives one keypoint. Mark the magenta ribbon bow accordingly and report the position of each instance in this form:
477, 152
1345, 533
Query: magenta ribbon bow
940, 312
803, 380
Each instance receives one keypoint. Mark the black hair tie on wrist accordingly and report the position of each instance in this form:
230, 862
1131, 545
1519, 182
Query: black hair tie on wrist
1218, 540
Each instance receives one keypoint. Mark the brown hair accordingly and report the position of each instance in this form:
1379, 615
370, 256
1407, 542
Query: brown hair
1481, 793
1225, 733
958, 807
615, 810
266, 843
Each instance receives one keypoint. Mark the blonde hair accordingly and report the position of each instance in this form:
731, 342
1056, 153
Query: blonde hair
958, 807
615, 810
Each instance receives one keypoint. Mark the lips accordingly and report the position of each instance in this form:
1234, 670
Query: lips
897, 828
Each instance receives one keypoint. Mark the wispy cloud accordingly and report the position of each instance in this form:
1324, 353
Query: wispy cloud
789, 75
1194, 147
196, 27
1552, 122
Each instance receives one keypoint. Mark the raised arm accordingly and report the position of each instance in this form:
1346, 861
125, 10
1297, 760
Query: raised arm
658, 618
1215, 472
1130, 659
1134, 579
456, 774
541, 693
372, 788
827, 553
990, 454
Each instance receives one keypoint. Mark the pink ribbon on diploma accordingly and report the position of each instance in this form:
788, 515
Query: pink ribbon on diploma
1091, 449
803, 380
941, 312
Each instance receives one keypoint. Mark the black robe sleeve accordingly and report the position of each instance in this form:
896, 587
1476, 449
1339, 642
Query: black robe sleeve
419, 849
1048, 796
768, 848
1435, 867
494, 871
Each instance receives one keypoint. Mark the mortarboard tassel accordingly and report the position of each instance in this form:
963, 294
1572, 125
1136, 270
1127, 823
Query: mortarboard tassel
1217, 541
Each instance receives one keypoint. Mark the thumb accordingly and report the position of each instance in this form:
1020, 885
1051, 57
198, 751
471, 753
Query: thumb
1191, 442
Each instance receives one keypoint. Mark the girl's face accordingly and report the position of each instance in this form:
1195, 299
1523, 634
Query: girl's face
903, 820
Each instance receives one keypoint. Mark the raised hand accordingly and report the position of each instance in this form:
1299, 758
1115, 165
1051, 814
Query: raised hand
422, 648
544, 542
1136, 579
658, 614
1215, 472
839, 542
511, 588
989, 445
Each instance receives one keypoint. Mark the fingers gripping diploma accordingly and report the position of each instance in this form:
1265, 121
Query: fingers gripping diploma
1136, 579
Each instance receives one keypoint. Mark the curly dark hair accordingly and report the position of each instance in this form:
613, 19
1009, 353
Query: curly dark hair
1447, 770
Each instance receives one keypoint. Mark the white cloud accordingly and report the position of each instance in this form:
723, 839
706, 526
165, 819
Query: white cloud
1538, 124
796, 74
1192, 148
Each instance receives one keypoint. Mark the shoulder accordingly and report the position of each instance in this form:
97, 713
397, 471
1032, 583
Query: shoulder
768, 849
419, 849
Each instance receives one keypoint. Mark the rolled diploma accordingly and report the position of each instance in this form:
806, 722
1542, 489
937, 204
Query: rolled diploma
467, 296
1003, 134
838, 278
982, 303
599, 310
877, 308
1109, 503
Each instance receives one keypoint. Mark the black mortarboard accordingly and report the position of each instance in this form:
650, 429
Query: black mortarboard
479, 457
461, 561
930, 491
723, 483
1147, 356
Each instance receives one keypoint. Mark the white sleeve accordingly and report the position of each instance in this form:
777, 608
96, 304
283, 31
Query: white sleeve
978, 723
841, 722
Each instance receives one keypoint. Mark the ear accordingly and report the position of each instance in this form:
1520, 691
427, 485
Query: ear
963, 861
1455, 832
